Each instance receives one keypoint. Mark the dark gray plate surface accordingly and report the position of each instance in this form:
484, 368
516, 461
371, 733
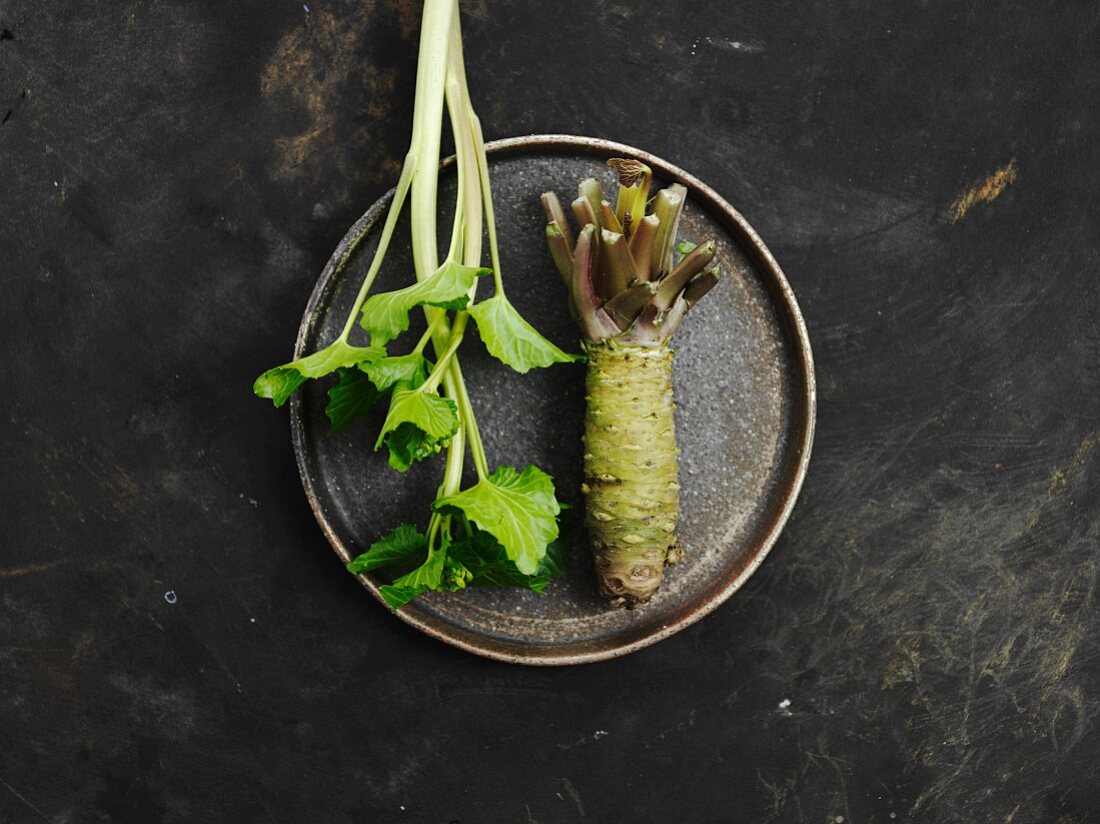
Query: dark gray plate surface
745, 416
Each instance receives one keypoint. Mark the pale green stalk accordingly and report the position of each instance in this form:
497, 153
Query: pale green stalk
487, 196
408, 170
427, 336
458, 332
436, 28
474, 193
439, 30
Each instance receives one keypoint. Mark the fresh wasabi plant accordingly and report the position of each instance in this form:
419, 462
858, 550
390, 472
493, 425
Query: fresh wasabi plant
629, 285
503, 530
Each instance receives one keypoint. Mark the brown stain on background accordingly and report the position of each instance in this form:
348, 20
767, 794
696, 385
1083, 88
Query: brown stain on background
1062, 474
320, 76
71, 467
27, 569
988, 190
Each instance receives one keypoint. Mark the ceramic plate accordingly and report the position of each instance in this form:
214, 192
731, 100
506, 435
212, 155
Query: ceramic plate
744, 387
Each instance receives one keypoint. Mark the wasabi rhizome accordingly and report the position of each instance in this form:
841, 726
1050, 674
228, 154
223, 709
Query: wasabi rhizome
630, 285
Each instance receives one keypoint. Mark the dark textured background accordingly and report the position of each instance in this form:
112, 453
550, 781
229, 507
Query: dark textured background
174, 175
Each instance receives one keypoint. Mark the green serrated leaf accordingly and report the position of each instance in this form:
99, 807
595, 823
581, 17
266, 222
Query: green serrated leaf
417, 425
435, 416
512, 340
400, 545
386, 315
517, 508
506, 574
426, 576
552, 564
407, 445
349, 399
489, 566
396, 597
478, 549
279, 383
400, 371
685, 247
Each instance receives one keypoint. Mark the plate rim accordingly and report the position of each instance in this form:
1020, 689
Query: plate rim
806, 395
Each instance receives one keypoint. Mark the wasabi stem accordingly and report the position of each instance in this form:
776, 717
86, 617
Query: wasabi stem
430, 405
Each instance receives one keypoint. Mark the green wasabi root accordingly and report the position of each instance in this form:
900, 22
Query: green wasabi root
632, 495
630, 285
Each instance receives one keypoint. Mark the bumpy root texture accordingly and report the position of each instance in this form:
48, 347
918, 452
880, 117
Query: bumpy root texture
631, 491
629, 288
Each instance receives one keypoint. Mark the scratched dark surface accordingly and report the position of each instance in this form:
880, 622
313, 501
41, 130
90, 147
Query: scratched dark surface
922, 645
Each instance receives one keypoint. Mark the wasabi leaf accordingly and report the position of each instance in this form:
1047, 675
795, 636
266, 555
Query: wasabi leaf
403, 371
396, 597
417, 425
352, 397
400, 545
517, 508
386, 315
552, 564
359, 389
279, 383
489, 566
512, 340
426, 576
407, 445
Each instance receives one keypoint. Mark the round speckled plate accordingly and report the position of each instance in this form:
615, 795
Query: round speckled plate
744, 385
